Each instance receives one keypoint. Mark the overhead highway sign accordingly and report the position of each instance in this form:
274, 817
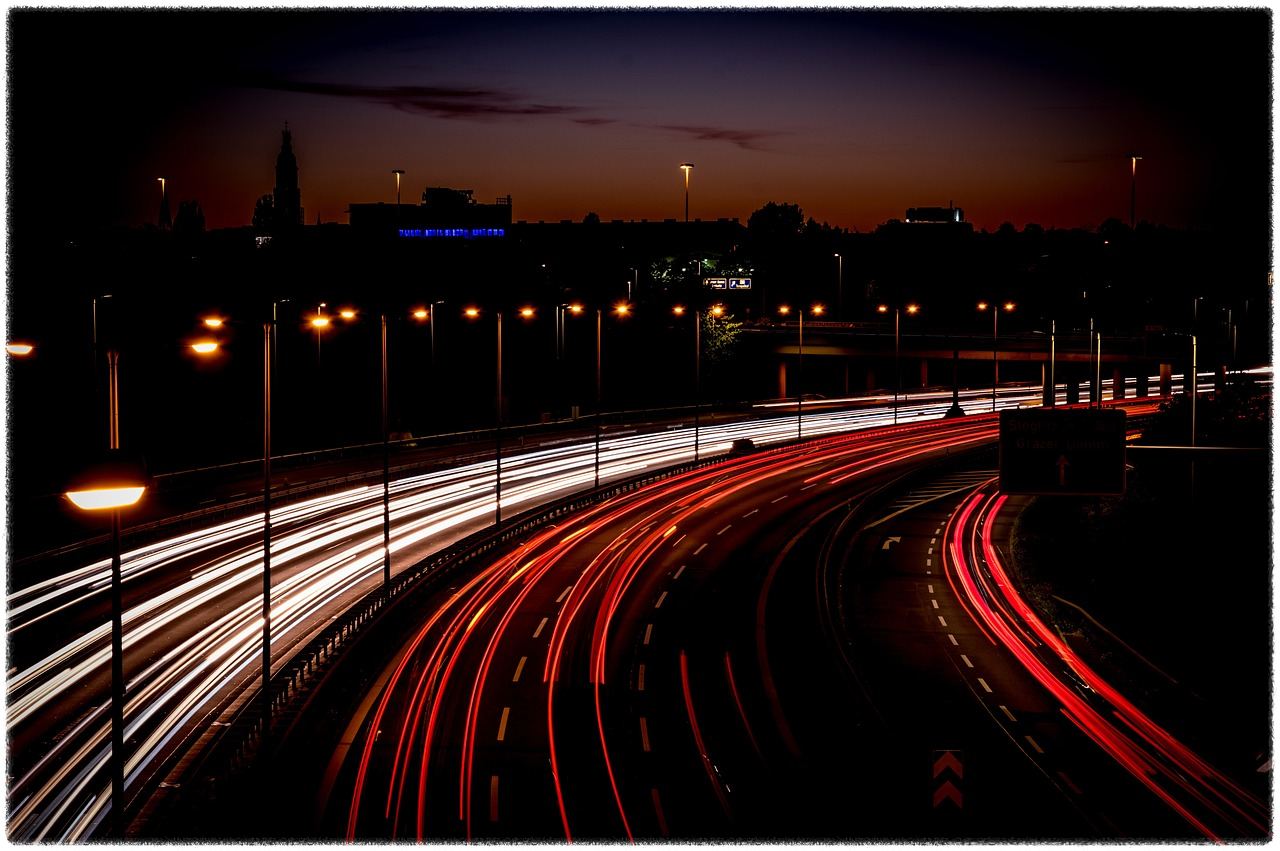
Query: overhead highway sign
1062, 451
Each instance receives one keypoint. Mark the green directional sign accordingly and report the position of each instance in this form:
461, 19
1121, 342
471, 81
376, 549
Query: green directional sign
1062, 451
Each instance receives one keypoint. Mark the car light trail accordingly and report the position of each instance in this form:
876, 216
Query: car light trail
589, 570
1189, 785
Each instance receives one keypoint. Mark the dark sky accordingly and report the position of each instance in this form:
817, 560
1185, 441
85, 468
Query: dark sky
1013, 114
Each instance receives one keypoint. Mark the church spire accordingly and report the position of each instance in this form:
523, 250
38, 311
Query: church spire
287, 199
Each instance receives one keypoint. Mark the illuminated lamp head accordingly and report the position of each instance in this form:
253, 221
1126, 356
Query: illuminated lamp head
116, 480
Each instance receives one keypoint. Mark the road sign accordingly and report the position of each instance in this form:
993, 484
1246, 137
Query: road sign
739, 283
1062, 451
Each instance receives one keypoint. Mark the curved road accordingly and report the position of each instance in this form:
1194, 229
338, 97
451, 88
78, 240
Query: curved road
672, 664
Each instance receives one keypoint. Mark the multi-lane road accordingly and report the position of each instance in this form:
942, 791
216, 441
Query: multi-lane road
193, 627
758, 650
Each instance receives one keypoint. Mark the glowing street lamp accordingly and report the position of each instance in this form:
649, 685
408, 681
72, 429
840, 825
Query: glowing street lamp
817, 310
897, 365
19, 349
686, 167
1007, 307
1133, 187
114, 484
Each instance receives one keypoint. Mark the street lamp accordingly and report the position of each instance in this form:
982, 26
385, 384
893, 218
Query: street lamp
897, 365
319, 322
268, 327
679, 310
686, 167
112, 485
817, 310
1007, 307
474, 313
1133, 188
839, 287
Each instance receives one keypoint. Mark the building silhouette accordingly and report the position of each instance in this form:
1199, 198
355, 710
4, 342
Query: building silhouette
287, 197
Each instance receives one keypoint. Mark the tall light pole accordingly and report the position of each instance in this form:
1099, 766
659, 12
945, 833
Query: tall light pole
397, 172
267, 328
110, 487
686, 167
817, 311
897, 366
839, 287
165, 221
386, 470
1007, 307
599, 322
1133, 188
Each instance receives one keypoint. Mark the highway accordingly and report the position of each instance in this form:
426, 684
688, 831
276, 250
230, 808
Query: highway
742, 653
612, 678
193, 606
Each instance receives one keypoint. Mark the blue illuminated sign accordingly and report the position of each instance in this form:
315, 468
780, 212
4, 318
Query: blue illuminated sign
739, 283
463, 233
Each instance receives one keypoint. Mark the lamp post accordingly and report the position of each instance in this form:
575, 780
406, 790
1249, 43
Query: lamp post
112, 486
897, 366
472, 313
686, 167
386, 470
319, 322
267, 329
817, 311
1007, 307
839, 287
1133, 189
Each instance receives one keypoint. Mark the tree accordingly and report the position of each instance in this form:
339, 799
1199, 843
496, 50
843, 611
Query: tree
264, 213
719, 339
775, 223
190, 218
591, 219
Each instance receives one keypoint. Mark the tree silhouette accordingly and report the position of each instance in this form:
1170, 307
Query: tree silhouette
190, 218
264, 213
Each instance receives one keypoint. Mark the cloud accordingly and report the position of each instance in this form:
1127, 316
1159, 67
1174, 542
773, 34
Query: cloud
439, 101
742, 138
